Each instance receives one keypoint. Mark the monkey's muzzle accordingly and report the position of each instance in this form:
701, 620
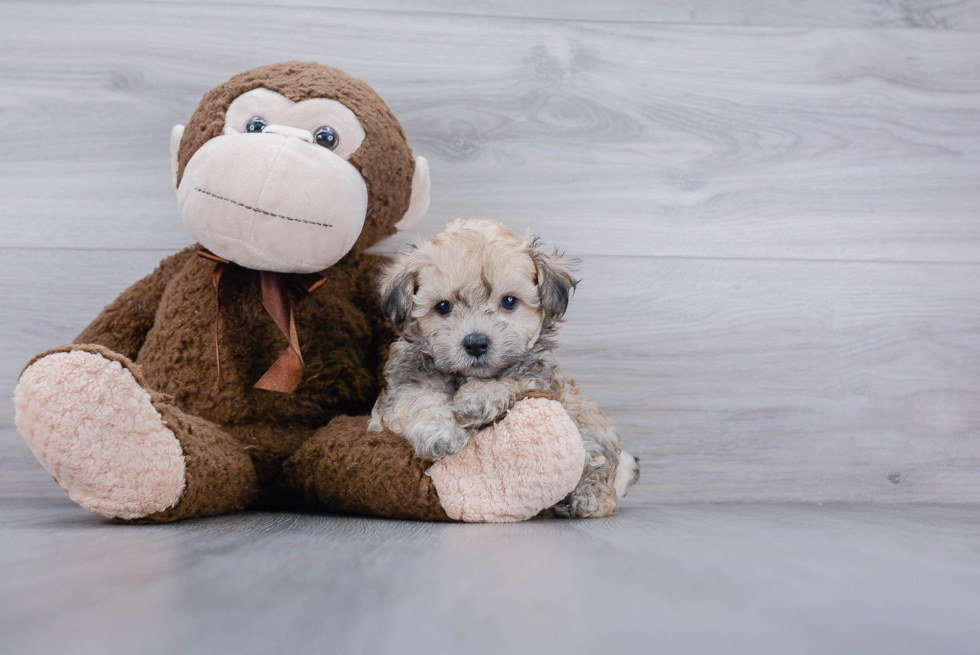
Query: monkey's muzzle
272, 202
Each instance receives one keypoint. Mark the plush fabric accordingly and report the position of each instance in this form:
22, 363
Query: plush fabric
122, 450
340, 331
527, 462
384, 156
308, 116
176, 134
220, 475
120, 460
345, 469
421, 186
235, 437
233, 181
510, 472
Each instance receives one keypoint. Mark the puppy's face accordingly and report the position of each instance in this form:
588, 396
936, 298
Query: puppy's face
477, 295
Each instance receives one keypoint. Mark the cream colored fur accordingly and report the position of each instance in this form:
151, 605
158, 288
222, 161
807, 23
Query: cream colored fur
440, 395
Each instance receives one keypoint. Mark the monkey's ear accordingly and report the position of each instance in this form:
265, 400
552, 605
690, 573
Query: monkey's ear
397, 289
176, 135
420, 195
555, 281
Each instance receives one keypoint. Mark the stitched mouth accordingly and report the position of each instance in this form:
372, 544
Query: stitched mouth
260, 211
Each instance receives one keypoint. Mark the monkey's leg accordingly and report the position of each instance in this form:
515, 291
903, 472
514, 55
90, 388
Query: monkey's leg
345, 469
508, 472
121, 449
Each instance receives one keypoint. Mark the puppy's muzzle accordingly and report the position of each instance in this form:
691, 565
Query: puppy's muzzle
476, 344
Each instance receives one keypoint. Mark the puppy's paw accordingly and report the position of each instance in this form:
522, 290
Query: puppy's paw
437, 440
479, 403
590, 500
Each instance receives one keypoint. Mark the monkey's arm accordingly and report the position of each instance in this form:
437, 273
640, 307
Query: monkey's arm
123, 324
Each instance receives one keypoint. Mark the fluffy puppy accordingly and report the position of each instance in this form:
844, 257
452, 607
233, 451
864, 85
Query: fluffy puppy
477, 310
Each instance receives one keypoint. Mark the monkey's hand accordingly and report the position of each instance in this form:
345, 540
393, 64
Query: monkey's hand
478, 402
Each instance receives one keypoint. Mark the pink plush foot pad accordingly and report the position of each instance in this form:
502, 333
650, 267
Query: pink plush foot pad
95, 430
512, 470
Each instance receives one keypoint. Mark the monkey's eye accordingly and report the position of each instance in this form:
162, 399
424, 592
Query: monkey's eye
508, 303
327, 137
443, 307
255, 124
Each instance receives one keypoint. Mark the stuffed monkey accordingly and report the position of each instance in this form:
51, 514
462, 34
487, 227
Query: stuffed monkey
239, 373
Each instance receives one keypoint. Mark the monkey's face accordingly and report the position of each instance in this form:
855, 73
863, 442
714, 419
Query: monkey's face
289, 186
276, 191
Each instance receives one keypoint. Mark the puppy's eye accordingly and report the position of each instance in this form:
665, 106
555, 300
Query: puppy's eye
443, 307
327, 137
255, 124
508, 303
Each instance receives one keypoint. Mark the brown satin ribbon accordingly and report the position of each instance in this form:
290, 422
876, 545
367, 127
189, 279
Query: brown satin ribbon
287, 371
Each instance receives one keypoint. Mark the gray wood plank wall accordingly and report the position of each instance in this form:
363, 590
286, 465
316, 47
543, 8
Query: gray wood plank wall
779, 210
924, 14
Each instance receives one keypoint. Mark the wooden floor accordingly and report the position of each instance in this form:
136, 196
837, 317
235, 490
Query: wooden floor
726, 579
778, 207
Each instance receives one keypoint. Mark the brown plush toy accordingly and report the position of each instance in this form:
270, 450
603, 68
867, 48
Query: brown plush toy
238, 374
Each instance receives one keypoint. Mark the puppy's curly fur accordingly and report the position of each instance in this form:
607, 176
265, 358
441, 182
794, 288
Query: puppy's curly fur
477, 309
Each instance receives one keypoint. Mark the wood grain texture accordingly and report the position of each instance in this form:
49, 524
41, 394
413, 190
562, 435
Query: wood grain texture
780, 224
918, 14
730, 579
732, 380
634, 139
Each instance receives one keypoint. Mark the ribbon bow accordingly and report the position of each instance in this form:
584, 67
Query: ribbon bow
287, 371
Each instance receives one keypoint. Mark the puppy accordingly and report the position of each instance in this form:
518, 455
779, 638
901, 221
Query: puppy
477, 310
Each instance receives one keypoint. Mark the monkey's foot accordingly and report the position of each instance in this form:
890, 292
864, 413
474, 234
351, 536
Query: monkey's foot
512, 470
92, 424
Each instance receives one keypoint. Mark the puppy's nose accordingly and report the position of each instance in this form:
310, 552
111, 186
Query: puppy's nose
476, 344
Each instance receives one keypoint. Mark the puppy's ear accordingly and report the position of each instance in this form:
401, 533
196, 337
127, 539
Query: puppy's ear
555, 281
397, 288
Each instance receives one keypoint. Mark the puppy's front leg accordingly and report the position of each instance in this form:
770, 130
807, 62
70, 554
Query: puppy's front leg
424, 416
480, 402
